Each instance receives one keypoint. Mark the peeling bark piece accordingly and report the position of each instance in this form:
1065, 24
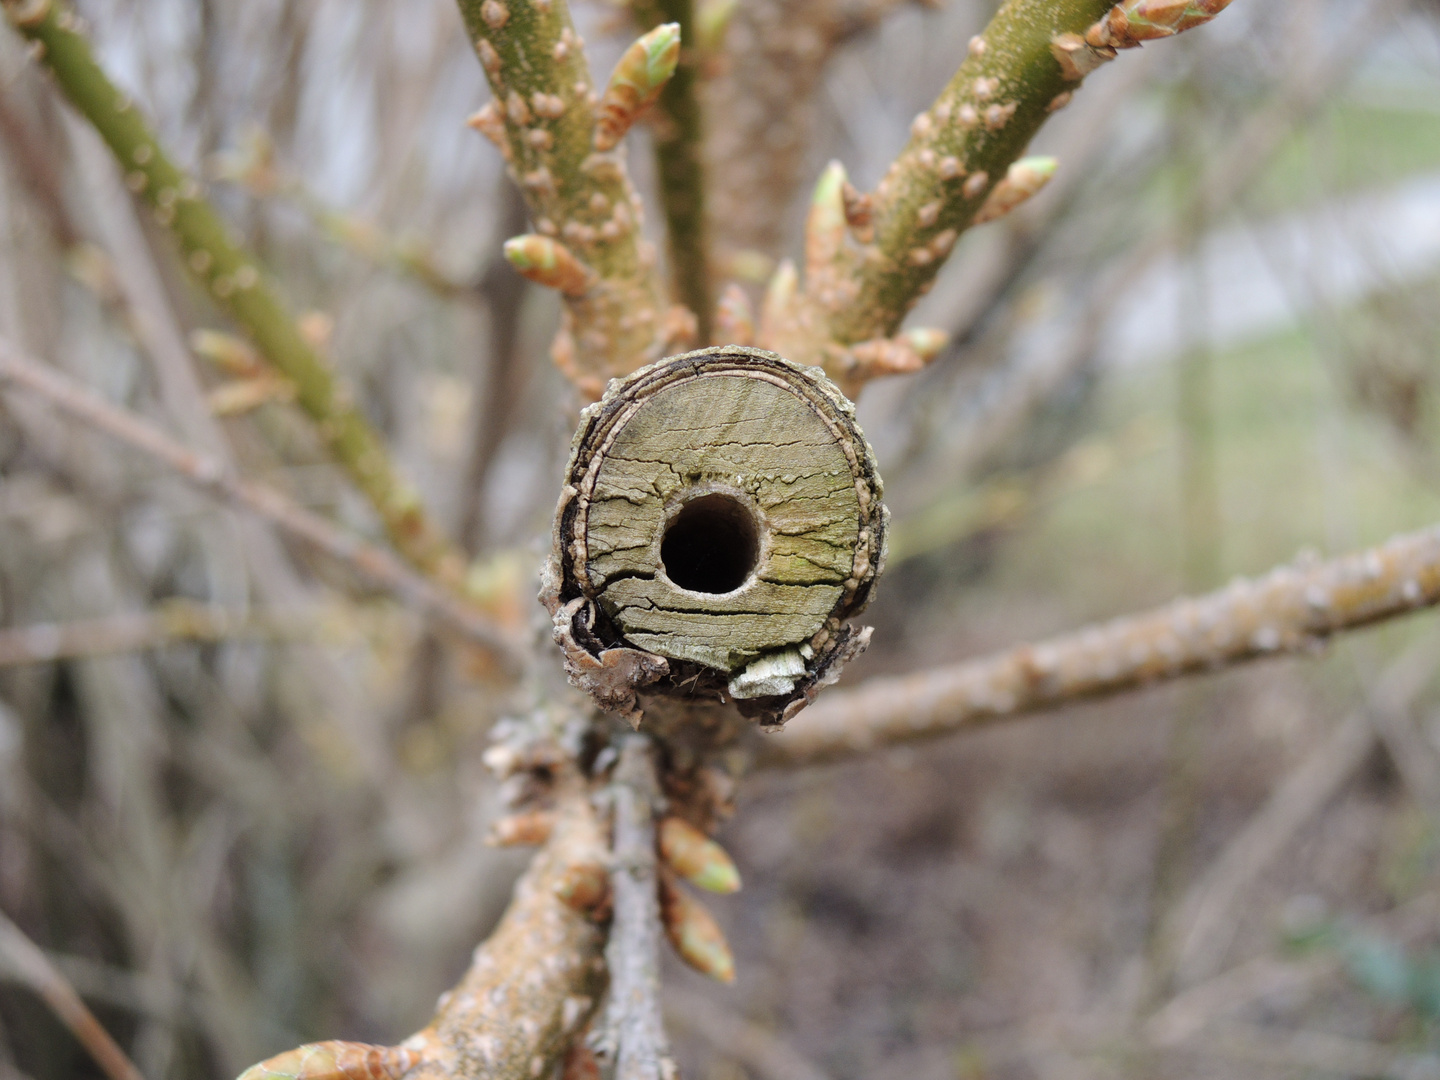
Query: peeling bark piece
721, 517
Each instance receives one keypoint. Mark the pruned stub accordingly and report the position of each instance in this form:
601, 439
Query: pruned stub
721, 520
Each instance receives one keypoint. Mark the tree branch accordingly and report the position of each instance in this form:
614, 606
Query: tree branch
1290, 609
543, 120
535, 982
631, 1040
374, 563
870, 258
173, 621
678, 132
530, 990
30, 964
232, 276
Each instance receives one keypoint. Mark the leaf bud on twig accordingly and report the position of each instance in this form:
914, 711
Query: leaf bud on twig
826, 224
697, 858
522, 830
1127, 24
1023, 179
335, 1061
584, 887
636, 82
693, 932
548, 262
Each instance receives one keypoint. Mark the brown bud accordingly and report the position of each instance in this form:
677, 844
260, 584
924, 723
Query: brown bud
584, 887
859, 207
697, 858
641, 74
693, 932
522, 830
548, 262
336, 1061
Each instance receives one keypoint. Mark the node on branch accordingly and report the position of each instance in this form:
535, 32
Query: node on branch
720, 521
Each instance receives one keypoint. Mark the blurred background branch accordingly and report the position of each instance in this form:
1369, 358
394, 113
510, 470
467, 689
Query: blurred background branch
236, 830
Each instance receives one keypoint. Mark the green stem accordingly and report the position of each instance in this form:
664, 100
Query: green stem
541, 86
679, 157
958, 150
232, 275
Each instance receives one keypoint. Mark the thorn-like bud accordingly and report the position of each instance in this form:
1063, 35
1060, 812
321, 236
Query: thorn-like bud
230, 354
902, 355
712, 19
335, 1061
927, 341
826, 224
734, 321
1023, 179
548, 262
779, 298
1127, 24
529, 829
636, 82
240, 396
694, 933
697, 858
585, 887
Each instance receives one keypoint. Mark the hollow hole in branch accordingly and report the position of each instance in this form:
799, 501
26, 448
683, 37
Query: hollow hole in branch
711, 545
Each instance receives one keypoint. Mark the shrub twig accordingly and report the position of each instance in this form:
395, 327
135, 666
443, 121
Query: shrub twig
374, 563
678, 132
869, 258
542, 118
28, 962
233, 277
169, 622
1290, 609
631, 1038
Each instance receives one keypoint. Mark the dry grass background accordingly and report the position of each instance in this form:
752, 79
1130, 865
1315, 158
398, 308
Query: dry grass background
234, 846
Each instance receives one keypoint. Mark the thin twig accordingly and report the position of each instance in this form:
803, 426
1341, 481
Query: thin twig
1290, 609
678, 132
378, 565
28, 962
580, 198
173, 621
233, 277
632, 1039
501, 375
1205, 921
1033, 382
1317, 1051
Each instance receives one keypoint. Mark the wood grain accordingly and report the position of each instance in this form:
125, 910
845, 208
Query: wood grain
747, 441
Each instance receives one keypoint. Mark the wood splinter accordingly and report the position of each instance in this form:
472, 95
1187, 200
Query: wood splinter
720, 521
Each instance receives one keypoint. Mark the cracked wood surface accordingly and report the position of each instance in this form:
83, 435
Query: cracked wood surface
761, 460
768, 449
